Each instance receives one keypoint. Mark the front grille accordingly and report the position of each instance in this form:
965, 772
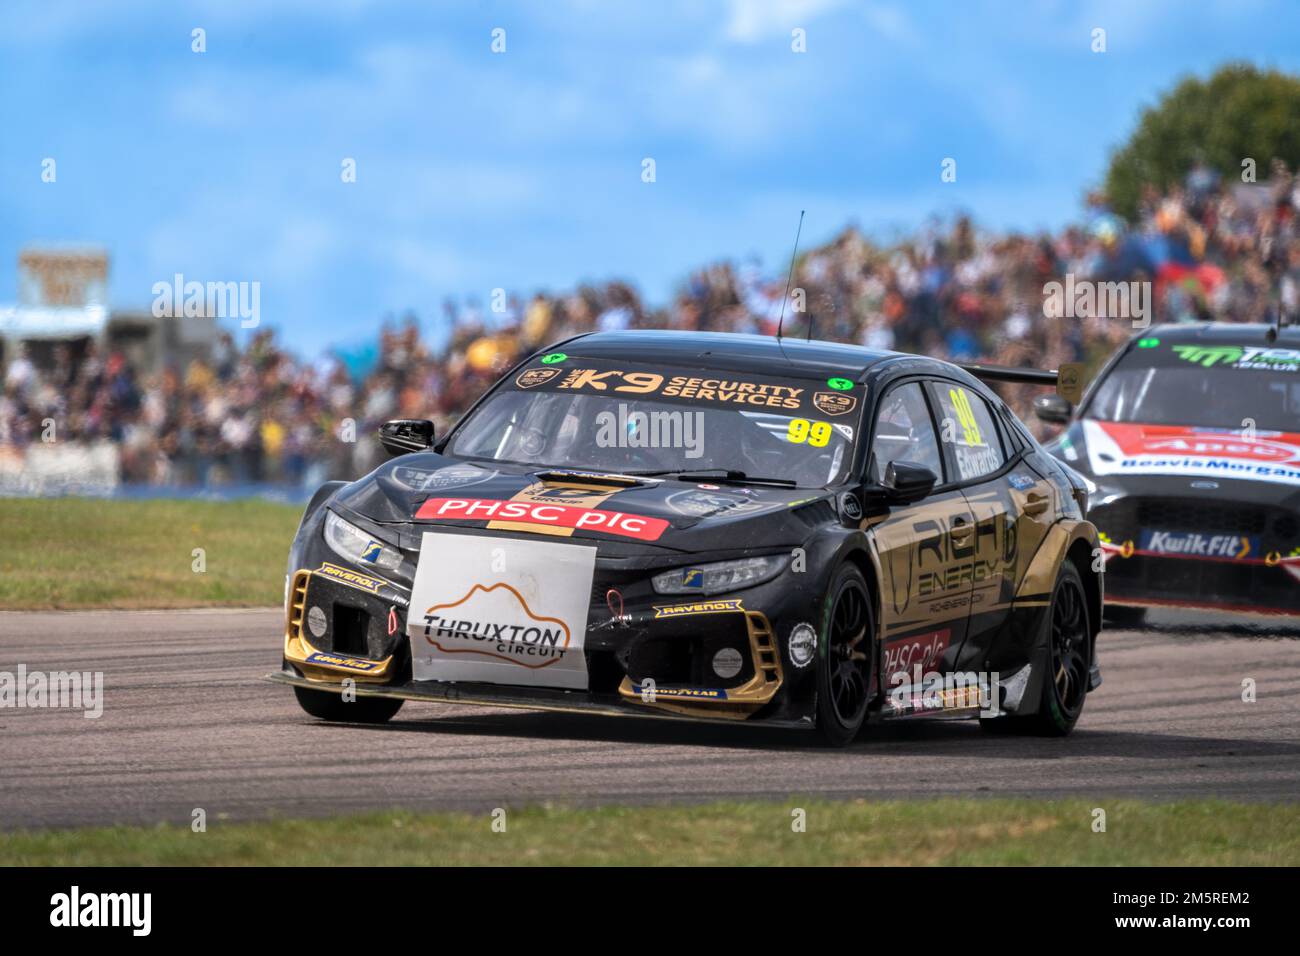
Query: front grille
351, 631
1126, 518
686, 656
1217, 582
1173, 514
355, 624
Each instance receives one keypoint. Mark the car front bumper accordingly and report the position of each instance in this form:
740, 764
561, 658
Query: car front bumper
646, 654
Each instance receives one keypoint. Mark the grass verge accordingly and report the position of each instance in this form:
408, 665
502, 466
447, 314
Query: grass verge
858, 833
83, 553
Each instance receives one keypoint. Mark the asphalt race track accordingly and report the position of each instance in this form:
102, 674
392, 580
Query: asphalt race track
187, 723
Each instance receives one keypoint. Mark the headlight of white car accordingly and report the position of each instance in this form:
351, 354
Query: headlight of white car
722, 576
356, 545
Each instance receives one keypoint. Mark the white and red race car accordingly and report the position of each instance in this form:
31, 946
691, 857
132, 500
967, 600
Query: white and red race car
1190, 437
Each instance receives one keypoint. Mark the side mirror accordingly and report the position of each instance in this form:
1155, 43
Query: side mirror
404, 435
906, 481
1053, 409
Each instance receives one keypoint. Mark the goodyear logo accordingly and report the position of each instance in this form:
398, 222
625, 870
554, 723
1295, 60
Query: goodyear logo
700, 607
351, 578
693, 578
333, 660
372, 551
687, 693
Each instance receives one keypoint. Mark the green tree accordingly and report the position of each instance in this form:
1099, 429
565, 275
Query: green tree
1239, 113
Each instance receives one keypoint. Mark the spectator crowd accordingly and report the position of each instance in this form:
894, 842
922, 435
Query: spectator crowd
1209, 249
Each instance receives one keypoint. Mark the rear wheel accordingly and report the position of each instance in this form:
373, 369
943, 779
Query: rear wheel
330, 706
1066, 686
844, 671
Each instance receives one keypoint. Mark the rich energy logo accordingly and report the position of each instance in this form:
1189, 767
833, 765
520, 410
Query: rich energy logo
951, 555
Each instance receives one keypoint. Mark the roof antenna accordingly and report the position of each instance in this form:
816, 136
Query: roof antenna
790, 276
1274, 265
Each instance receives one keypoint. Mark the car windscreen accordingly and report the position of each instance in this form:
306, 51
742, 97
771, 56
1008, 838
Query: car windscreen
1208, 386
589, 414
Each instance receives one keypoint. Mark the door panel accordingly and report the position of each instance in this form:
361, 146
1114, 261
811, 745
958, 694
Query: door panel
924, 604
925, 551
975, 448
995, 569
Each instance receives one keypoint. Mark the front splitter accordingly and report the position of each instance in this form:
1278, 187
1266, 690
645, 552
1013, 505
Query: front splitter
521, 698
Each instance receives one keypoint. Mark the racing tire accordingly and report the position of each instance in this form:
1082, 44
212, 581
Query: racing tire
1066, 689
1124, 615
364, 710
844, 672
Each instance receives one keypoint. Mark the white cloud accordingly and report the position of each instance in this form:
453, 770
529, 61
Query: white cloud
753, 20
890, 22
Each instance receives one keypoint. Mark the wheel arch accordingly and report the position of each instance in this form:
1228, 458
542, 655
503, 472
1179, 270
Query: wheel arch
321, 494
1082, 557
858, 555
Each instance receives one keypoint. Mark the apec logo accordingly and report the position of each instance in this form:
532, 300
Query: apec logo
1195, 545
1221, 447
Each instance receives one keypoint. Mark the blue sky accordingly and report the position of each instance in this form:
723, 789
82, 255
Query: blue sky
522, 170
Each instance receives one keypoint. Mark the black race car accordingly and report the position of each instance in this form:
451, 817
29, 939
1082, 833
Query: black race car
706, 526
1190, 439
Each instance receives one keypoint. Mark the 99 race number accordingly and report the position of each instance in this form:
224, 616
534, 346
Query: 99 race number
816, 434
969, 426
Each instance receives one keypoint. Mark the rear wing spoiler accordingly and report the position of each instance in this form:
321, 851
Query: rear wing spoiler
1068, 379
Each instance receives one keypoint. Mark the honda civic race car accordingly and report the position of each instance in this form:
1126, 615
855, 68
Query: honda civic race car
1190, 440
706, 526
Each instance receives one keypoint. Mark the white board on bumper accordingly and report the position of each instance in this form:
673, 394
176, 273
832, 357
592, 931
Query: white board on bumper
500, 610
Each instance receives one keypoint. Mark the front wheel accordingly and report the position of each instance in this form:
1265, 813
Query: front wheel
330, 706
1066, 685
845, 668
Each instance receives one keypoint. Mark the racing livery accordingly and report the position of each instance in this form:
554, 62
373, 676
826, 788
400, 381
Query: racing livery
706, 526
1190, 438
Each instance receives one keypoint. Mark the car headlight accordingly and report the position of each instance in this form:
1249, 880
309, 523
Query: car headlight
356, 545
722, 576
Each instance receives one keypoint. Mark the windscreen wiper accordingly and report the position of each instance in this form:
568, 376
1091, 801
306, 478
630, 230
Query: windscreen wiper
717, 474
620, 478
